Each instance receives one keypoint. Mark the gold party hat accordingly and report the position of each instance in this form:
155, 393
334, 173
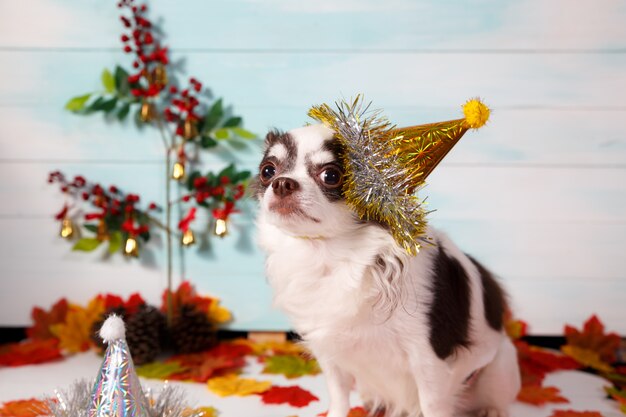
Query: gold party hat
421, 148
386, 165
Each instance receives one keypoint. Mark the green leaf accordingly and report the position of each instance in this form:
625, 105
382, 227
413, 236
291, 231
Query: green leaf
77, 103
241, 176
290, 366
222, 133
207, 141
108, 81
96, 105
160, 370
108, 105
123, 112
213, 117
87, 244
232, 122
243, 133
91, 227
121, 81
115, 241
229, 172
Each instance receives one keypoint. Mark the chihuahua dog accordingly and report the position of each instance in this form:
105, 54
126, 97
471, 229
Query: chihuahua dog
415, 335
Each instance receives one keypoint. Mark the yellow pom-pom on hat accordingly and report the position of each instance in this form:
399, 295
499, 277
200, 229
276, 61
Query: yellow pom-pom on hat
476, 113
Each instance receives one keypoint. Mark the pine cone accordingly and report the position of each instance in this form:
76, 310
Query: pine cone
191, 330
144, 331
95, 327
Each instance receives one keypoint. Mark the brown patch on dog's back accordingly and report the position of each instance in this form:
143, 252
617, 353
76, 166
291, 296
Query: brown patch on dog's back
449, 312
494, 298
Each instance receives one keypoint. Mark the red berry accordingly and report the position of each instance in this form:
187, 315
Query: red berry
144, 7
65, 188
224, 180
128, 49
197, 87
125, 38
186, 197
173, 89
137, 92
113, 189
129, 208
85, 196
148, 39
152, 206
199, 182
135, 64
218, 191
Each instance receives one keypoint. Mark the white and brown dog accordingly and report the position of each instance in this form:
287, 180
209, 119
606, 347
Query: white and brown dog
415, 334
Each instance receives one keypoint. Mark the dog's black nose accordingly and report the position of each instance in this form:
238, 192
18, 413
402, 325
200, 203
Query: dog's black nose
284, 186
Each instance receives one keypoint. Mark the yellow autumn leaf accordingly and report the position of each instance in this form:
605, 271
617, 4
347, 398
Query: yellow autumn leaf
586, 357
75, 332
232, 384
219, 314
272, 348
199, 412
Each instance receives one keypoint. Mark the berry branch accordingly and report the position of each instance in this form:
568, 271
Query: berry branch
187, 121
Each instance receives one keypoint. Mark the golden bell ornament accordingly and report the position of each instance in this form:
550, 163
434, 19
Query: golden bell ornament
190, 130
131, 248
178, 171
221, 227
67, 228
147, 112
159, 75
188, 238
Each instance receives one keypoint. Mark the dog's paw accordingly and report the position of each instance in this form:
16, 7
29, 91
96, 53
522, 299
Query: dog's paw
492, 412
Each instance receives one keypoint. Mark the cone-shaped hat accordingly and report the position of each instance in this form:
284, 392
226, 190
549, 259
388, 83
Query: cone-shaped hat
422, 147
385, 165
117, 391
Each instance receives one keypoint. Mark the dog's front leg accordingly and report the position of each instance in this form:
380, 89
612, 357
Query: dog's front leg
339, 384
438, 387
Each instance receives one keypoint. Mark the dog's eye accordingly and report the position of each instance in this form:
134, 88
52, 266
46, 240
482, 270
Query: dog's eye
267, 172
331, 177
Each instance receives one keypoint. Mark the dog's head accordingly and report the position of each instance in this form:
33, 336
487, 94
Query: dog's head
300, 183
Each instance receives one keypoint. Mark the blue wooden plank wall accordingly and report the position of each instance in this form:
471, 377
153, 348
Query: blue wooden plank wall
539, 194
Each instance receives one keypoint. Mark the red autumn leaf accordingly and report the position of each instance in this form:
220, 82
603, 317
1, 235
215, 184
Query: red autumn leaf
537, 395
592, 337
292, 395
29, 352
536, 362
574, 413
200, 367
42, 320
231, 350
134, 302
24, 408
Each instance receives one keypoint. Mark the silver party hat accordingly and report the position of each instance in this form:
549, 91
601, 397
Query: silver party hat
117, 391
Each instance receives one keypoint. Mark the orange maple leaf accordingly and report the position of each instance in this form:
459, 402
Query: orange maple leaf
538, 395
593, 337
536, 362
515, 329
587, 357
574, 413
29, 352
24, 408
42, 320
358, 412
75, 333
